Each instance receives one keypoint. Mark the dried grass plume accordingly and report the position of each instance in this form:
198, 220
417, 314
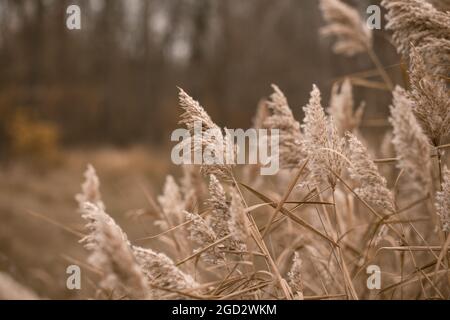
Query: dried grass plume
344, 22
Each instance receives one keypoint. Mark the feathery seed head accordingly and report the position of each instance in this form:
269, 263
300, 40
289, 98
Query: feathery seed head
344, 22
90, 189
295, 276
341, 108
326, 149
415, 22
220, 215
10, 289
410, 143
430, 100
262, 113
161, 273
212, 143
238, 225
171, 202
203, 235
373, 187
194, 112
111, 252
291, 149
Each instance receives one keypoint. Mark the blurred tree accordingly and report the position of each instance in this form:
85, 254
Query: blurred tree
114, 81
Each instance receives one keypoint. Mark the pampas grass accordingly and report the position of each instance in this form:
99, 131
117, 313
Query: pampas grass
442, 5
431, 100
410, 143
345, 23
112, 253
221, 232
342, 108
10, 289
220, 213
90, 189
415, 22
295, 276
291, 149
203, 235
373, 187
164, 278
443, 202
333, 216
218, 147
326, 149
238, 224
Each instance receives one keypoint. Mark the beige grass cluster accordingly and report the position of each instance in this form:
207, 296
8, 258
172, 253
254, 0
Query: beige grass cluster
311, 231
423, 25
323, 225
194, 113
333, 209
410, 142
345, 23
342, 108
291, 148
373, 187
431, 101
443, 202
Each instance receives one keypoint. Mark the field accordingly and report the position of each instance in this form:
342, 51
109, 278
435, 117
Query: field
360, 208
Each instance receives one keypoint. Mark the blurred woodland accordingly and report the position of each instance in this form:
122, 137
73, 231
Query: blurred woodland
114, 81
107, 95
